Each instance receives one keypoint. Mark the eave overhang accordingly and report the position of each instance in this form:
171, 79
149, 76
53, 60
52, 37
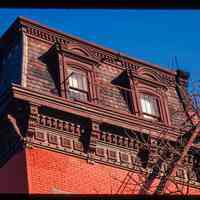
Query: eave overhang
92, 111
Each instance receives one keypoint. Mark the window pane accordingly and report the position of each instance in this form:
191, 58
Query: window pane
82, 82
73, 82
85, 83
143, 105
152, 104
149, 105
155, 107
85, 87
74, 94
77, 79
77, 84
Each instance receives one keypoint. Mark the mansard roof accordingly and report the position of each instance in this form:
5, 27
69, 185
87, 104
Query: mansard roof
20, 22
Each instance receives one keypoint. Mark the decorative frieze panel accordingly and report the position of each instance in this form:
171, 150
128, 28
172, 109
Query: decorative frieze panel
78, 146
33, 116
52, 131
66, 142
95, 52
113, 155
125, 158
53, 139
100, 152
60, 125
48, 138
118, 156
156, 75
45, 35
168, 80
69, 143
39, 135
119, 140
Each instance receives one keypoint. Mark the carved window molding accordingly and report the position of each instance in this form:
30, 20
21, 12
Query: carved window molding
148, 84
158, 94
140, 82
77, 83
81, 80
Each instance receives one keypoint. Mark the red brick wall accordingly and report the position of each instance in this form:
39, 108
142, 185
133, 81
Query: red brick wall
13, 175
49, 171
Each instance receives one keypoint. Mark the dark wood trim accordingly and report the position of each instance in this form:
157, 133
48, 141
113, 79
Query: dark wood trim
95, 112
50, 35
61, 66
142, 88
35, 25
86, 69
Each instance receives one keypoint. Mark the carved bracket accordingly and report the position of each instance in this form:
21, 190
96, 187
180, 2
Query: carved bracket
95, 135
33, 118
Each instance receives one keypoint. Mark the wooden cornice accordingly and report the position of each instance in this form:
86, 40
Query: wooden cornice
47, 34
26, 21
59, 48
150, 82
92, 111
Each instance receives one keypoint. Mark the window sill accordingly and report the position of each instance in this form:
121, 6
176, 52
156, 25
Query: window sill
157, 121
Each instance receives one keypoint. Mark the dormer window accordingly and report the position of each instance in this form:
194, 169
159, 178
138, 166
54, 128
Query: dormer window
75, 72
77, 85
150, 107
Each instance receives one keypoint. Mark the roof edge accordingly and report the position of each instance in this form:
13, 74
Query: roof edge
21, 19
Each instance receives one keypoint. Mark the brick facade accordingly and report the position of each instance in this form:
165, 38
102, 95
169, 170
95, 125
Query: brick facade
69, 169
104, 142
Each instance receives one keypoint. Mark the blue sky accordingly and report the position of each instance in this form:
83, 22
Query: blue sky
156, 36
